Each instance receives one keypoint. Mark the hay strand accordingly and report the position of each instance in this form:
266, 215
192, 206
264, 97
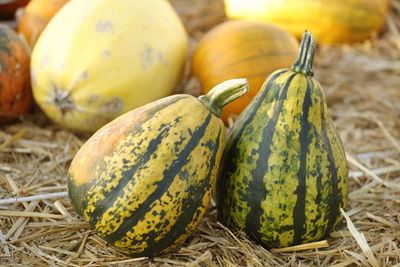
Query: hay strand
353, 161
308, 246
14, 213
361, 241
32, 198
20, 223
15, 137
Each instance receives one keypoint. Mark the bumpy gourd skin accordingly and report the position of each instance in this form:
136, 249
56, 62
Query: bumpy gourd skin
283, 177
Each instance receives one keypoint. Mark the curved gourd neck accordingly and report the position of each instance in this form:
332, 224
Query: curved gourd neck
223, 94
305, 59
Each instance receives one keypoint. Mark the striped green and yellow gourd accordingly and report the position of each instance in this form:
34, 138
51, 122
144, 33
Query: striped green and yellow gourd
283, 177
144, 181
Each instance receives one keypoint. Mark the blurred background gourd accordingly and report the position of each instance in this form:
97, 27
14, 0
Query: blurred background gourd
15, 89
36, 16
95, 61
339, 21
242, 49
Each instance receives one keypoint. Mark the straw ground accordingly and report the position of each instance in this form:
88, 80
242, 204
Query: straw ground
38, 226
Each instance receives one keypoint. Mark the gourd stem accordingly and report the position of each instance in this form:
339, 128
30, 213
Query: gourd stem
305, 58
223, 94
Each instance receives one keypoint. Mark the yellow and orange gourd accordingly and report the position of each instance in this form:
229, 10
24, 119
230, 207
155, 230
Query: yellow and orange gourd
144, 180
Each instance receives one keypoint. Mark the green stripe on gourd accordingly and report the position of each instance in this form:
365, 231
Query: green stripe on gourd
283, 176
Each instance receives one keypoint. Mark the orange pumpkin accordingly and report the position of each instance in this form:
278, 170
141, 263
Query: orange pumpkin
36, 16
15, 89
242, 49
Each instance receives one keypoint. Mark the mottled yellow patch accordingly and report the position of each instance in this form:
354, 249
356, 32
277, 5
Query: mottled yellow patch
92, 153
283, 165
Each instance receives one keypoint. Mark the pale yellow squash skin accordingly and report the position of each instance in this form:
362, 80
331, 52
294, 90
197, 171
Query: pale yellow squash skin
98, 59
330, 21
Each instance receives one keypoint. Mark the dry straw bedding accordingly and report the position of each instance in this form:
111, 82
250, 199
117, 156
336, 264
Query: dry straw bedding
362, 85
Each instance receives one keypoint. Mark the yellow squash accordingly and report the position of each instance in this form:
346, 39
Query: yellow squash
98, 59
330, 21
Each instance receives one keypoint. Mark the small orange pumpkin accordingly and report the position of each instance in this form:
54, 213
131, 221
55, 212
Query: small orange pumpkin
242, 49
15, 89
36, 16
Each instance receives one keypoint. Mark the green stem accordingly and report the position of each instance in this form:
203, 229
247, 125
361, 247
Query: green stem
223, 94
305, 58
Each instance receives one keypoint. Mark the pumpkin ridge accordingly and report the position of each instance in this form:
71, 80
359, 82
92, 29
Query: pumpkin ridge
252, 57
259, 74
169, 174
